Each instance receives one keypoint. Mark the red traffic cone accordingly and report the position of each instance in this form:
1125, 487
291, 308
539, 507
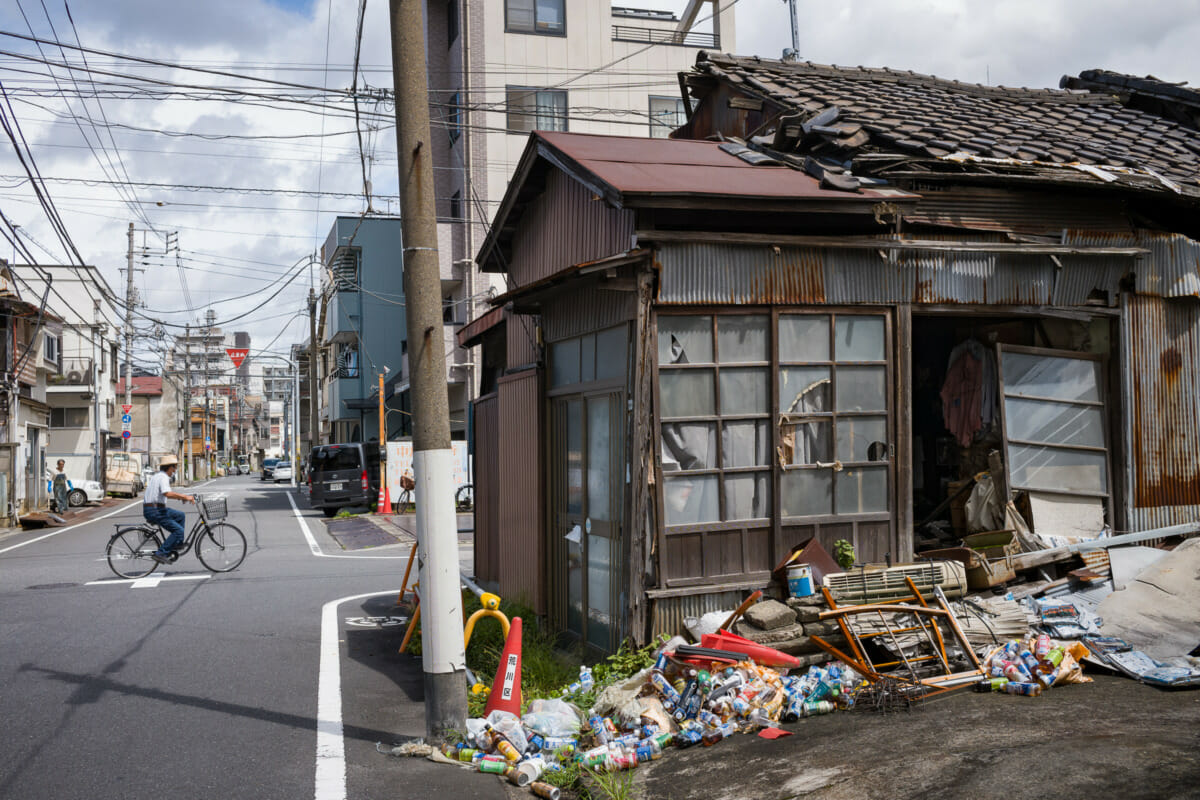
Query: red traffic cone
506, 689
385, 502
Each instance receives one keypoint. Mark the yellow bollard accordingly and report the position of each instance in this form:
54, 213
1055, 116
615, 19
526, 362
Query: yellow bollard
491, 608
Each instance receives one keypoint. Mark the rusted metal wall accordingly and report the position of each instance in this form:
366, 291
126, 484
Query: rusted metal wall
698, 272
1008, 209
487, 489
520, 340
1172, 269
585, 311
1161, 339
564, 226
669, 613
521, 555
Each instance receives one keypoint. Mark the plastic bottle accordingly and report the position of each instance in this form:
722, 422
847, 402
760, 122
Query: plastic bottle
760, 718
687, 738
598, 730
648, 750
813, 708
1026, 689
493, 764
991, 685
664, 688
1043, 645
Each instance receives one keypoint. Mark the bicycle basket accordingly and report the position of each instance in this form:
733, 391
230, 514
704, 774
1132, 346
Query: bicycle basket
213, 507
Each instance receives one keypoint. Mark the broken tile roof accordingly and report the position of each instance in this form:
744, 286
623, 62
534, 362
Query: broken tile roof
925, 116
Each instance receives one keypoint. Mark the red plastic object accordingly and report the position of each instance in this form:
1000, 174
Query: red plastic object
767, 656
506, 689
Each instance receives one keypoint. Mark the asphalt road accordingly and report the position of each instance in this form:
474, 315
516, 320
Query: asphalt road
273, 681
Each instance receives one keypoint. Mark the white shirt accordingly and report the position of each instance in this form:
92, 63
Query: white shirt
157, 488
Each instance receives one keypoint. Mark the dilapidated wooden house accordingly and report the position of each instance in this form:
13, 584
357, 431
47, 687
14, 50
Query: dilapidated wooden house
833, 294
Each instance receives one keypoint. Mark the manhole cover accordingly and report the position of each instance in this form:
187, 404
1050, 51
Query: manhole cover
376, 622
52, 586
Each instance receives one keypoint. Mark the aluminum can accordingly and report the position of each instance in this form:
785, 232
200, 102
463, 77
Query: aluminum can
662, 662
813, 708
545, 790
664, 687
599, 730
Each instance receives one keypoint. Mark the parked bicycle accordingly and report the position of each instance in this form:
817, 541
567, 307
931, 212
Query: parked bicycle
220, 546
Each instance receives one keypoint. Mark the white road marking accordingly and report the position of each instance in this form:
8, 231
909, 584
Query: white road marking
315, 548
57, 531
148, 582
330, 781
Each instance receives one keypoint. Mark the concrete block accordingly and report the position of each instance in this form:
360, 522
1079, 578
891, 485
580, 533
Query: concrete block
769, 615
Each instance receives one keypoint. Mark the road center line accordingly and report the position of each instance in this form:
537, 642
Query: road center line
330, 781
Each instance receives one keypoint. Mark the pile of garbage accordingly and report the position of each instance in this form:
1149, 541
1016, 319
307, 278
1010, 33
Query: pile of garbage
1027, 667
679, 702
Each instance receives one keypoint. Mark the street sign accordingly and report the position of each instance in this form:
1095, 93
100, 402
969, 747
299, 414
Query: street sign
126, 434
126, 409
126, 418
237, 355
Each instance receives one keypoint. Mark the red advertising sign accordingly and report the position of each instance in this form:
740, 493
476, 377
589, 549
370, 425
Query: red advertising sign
237, 355
126, 409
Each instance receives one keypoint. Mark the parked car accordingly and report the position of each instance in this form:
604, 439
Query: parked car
244, 467
343, 475
268, 467
85, 492
282, 472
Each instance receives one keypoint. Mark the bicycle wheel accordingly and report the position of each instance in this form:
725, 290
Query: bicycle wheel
129, 552
221, 547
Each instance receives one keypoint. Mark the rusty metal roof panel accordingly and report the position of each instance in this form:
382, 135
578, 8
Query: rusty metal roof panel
639, 166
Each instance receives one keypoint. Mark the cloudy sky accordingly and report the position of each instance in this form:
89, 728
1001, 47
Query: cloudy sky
251, 181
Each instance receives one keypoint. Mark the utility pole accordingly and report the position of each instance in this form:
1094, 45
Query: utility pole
129, 335
210, 317
187, 367
382, 438
314, 413
442, 652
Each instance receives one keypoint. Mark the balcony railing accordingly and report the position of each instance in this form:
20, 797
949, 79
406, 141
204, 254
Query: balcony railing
75, 372
629, 33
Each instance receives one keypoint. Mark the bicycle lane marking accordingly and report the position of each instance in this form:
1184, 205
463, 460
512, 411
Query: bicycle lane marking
78, 525
330, 779
315, 548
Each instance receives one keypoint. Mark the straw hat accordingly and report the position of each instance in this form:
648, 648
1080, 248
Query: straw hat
167, 461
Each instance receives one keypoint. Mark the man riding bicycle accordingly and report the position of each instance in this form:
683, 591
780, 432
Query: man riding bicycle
154, 507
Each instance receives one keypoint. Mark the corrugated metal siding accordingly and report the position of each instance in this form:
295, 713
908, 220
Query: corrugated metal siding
586, 311
487, 489
520, 339
521, 556
565, 226
1171, 270
751, 274
1162, 348
669, 612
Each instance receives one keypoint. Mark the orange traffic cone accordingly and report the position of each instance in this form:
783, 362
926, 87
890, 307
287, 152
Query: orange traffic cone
506, 689
385, 501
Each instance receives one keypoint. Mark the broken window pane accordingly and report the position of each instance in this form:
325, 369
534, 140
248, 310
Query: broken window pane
1054, 423
689, 445
804, 390
744, 391
862, 490
806, 492
687, 393
691, 499
862, 438
1029, 375
807, 442
745, 444
1054, 469
685, 340
803, 337
859, 338
862, 389
742, 338
748, 495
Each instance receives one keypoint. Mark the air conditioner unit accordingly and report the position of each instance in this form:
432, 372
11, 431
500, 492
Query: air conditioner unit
873, 584
74, 376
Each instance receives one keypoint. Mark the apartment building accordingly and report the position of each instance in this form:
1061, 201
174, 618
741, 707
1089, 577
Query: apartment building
499, 69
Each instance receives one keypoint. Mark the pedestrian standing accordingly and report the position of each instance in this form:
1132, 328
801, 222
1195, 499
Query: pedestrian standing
62, 487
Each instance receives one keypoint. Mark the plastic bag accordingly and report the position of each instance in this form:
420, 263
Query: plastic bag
1069, 671
617, 695
509, 726
553, 717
